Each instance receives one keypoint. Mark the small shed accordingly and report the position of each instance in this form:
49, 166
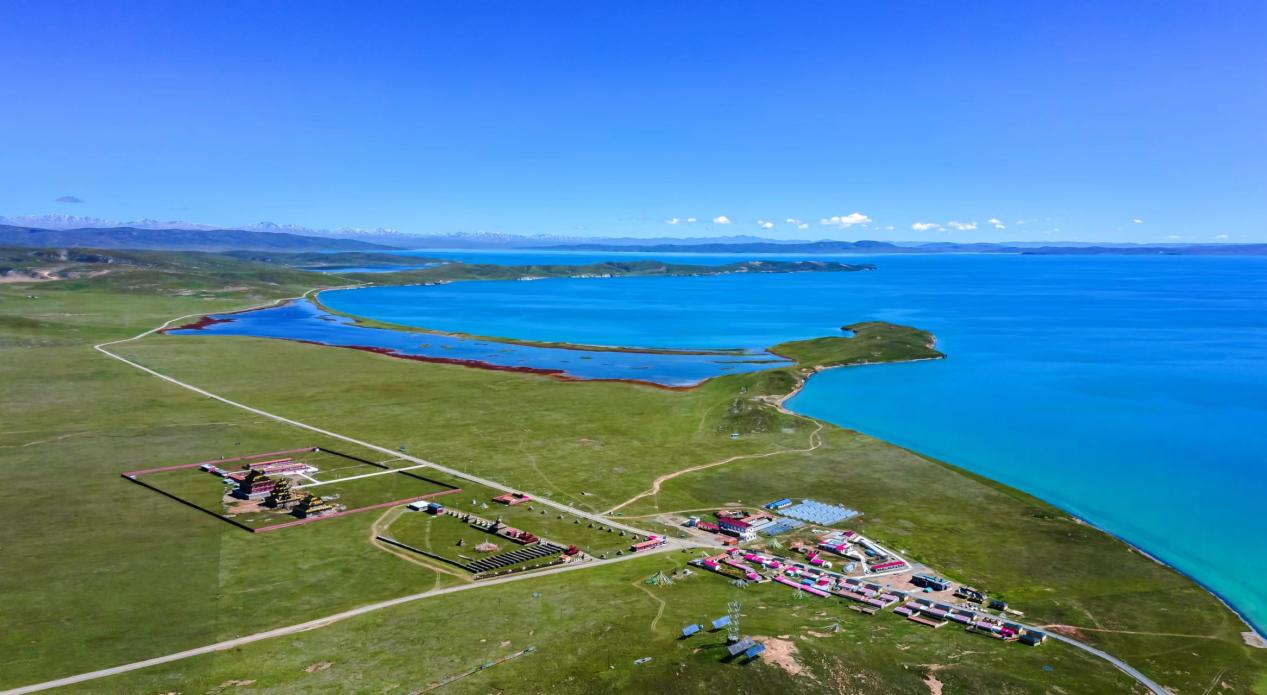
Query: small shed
721, 622
690, 630
1033, 638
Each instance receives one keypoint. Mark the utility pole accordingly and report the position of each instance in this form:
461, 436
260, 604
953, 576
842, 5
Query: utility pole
732, 630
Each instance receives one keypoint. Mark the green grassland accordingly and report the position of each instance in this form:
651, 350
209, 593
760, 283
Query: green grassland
868, 342
99, 571
589, 626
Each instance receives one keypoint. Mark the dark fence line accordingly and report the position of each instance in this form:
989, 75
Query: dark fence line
177, 467
187, 503
420, 551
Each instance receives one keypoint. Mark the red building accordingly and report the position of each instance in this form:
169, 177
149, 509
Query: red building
737, 528
512, 498
652, 542
255, 485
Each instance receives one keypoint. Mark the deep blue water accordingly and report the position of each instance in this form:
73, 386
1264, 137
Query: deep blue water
1131, 391
549, 257
368, 268
302, 320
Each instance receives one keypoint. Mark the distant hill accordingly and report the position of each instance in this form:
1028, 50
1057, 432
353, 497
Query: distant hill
753, 247
1188, 250
884, 247
176, 239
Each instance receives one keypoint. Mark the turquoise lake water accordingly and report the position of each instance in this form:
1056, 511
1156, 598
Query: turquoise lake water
1131, 391
304, 321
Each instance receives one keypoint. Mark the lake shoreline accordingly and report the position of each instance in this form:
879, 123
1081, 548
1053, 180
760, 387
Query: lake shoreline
1254, 636
1254, 632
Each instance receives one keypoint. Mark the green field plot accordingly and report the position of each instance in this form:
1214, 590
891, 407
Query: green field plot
558, 527
455, 540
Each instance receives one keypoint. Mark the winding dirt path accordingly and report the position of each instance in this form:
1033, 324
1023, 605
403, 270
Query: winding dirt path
637, 584
1056, 627
776, 402
815, 441
680, 511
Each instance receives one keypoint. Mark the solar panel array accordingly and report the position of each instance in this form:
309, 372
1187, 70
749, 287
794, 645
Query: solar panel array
819, 513
781, 526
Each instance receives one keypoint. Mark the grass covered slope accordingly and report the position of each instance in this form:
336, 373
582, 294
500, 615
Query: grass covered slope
589, 627
870, 342
101, 572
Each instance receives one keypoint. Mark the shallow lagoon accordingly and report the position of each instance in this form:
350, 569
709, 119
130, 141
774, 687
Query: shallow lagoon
1131, 391
304, 321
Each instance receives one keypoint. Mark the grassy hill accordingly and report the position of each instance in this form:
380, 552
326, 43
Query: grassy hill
175, 239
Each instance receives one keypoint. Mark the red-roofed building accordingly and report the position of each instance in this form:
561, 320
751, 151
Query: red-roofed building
255, 485
738, 528
653, 542
512, 498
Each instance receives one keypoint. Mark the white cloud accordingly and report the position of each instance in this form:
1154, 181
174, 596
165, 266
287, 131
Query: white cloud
765, 225
721, 219
690, 220
845, 221
803, 225
996, 223
672, 220
1174, 237
925, 226
1222, 237
890, 228
962, 226
793, 220
1137, 221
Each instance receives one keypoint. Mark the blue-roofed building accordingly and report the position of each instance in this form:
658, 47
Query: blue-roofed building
781, 525
690, 630
741, 646
721, 622
779, 504
928, 581
754, 651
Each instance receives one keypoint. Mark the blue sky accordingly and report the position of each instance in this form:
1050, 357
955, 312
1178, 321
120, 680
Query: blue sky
1076, 118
